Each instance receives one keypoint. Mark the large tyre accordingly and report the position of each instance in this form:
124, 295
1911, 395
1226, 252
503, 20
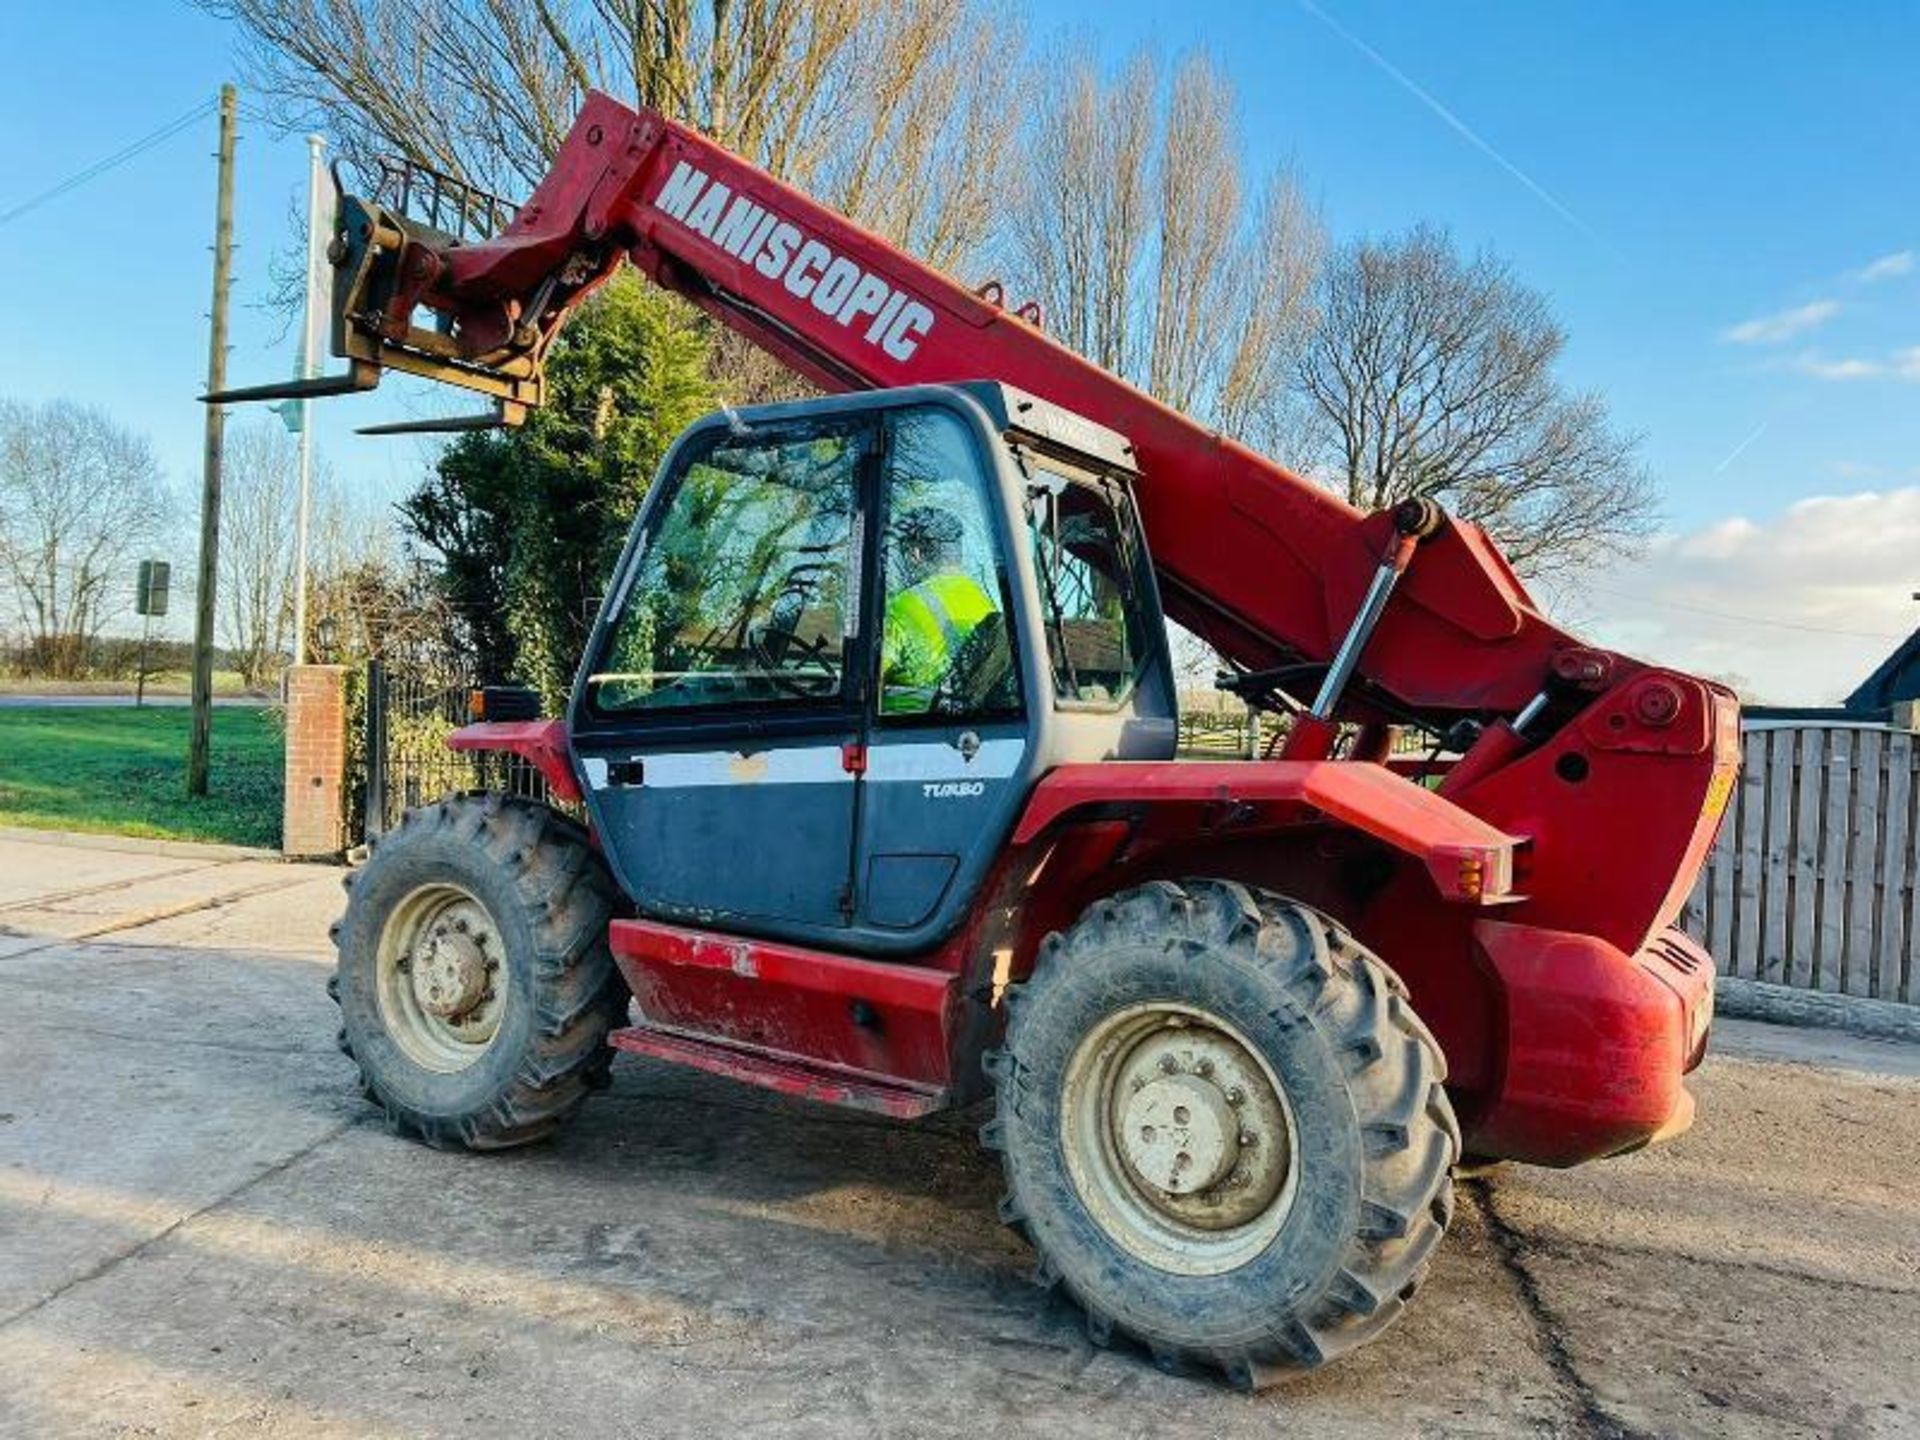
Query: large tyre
1223, 1128
475, 984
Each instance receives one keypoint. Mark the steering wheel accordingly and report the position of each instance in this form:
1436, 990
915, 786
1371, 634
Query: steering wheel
772, 650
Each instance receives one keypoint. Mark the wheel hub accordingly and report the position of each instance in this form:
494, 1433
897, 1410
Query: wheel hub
1179, 1134
449, 974
1198, 1125
442, 977
1179, 1137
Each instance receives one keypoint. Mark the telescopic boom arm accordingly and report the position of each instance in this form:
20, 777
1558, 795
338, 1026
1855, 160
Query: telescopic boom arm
1267, 566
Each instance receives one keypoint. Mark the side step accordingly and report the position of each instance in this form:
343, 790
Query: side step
789, 1075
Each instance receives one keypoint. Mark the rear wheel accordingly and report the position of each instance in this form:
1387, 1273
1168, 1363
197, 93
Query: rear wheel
1224, 1129
474, 980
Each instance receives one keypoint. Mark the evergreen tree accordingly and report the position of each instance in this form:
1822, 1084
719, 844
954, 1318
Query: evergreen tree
529, 522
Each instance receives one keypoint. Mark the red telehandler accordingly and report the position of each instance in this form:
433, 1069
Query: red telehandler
866, 788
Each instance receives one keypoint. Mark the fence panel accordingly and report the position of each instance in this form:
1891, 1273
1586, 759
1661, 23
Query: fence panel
1863, 840
1893, 978
1814, 880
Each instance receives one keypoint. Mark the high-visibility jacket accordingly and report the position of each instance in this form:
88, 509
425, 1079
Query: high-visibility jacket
925, 628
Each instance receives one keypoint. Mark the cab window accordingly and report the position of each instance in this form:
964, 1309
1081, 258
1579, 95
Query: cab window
1087, 563
946, 646
746, 590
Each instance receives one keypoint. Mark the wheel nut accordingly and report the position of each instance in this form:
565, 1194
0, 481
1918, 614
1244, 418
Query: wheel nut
1203, 1069
1168, 1064
1236, 1096
1247, 1137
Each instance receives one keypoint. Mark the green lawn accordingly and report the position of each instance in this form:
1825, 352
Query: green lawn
124, 770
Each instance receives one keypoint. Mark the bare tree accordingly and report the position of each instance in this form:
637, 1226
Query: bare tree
899, 114
259, 502
368, 599
1150, 248
81, 500
1431, 374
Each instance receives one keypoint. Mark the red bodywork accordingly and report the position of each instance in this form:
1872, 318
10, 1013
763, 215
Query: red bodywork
1527, 902
541, 743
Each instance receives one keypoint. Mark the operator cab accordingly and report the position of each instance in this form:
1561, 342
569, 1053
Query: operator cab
845, 639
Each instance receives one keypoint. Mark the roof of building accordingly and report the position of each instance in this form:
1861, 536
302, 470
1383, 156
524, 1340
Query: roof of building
1895, 679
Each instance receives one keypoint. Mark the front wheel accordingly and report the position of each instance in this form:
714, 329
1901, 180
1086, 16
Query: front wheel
1223, 1128
474, 981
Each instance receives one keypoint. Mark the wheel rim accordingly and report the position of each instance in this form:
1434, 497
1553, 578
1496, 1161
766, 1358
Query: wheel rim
441, 980
1179, 1138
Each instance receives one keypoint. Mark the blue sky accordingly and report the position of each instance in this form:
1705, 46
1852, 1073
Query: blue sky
1667, 175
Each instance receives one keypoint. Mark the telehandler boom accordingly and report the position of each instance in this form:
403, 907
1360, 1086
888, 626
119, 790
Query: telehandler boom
874, 745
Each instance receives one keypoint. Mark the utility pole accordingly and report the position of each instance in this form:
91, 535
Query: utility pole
200, 745
317, 224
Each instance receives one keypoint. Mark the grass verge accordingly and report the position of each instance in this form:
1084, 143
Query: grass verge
123, 771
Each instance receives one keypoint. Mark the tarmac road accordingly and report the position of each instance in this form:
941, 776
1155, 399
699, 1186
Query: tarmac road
204, 1230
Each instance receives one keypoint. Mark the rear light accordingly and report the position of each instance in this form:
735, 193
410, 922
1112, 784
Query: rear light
1482, 876
503, 702
1473, 877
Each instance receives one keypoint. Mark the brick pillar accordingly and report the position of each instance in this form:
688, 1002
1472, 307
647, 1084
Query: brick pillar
314, 819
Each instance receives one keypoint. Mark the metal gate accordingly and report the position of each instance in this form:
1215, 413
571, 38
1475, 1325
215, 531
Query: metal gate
404, 759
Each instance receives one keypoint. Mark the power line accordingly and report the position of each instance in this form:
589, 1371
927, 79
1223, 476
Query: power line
101, 167
1665, 604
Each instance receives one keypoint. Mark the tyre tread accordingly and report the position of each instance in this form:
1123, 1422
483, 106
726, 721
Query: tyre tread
1395, 1074
568, 897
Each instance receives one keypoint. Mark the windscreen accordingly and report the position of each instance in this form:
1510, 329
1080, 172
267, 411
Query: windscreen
747, 584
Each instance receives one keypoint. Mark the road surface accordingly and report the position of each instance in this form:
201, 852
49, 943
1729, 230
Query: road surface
204, 1230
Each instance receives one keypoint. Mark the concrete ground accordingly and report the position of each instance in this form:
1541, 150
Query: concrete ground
204, 1231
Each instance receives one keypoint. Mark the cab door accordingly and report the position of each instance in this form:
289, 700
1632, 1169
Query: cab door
948, 752
720, 708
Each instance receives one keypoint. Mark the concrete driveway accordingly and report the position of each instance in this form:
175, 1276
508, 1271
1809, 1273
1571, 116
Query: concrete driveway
204, 1231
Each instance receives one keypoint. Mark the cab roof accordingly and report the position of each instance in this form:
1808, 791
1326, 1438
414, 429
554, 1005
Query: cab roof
1050, 427
1022, 417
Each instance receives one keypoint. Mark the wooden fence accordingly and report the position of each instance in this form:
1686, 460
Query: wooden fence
1813, 882
1249, 734
1222, 735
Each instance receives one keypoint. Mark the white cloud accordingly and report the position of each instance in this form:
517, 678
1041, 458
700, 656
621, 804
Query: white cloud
1782, 324
1887, 267
1803, 604
1846, 368
1900, 365
1721, 540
